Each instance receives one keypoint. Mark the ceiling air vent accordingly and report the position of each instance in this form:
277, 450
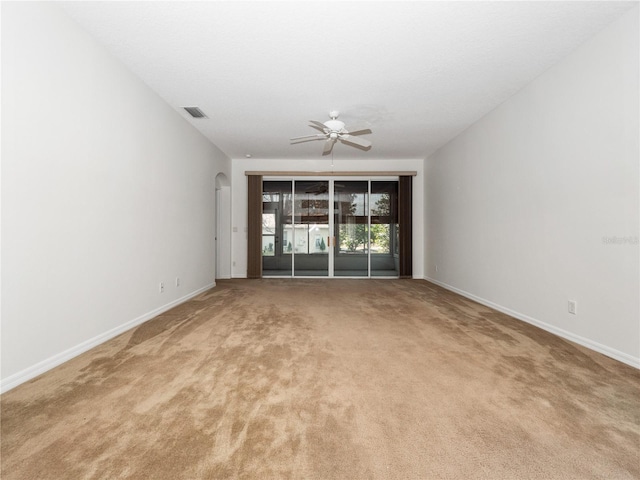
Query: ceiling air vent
195, 112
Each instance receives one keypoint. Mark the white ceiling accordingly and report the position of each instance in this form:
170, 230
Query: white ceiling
419, 72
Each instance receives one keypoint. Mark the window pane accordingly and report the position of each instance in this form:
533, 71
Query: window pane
384, 228
380, 239
268, 243
276, 218
268, 223
311, 227
351, 220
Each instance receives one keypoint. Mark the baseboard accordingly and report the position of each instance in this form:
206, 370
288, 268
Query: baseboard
585, 342
41, 367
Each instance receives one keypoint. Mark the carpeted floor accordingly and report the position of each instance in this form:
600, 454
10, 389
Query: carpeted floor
317, 379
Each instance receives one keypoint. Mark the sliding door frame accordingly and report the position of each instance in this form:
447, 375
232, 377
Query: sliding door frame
254, 228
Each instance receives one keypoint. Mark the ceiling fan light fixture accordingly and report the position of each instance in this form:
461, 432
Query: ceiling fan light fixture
334, 125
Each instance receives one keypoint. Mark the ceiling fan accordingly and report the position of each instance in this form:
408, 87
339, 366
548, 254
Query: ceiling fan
334, 130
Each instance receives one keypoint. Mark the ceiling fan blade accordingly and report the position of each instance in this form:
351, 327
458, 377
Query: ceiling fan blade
328, 145
358, 129
357, 141
307, 138
318, 125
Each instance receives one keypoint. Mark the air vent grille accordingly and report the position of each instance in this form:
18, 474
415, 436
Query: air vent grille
195, 112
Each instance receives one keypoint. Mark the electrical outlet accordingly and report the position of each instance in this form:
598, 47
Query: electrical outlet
177, 281
161, 287
573, 307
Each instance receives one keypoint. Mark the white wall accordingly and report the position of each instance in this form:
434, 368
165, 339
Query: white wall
239, 202
223, 227
520, 206
106, 191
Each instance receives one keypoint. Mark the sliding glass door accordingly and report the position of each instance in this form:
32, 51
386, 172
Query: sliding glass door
276, 228
384, 229
351, 227
330, 228
310, 229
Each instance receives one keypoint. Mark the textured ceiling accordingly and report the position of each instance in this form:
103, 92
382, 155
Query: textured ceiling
419, 72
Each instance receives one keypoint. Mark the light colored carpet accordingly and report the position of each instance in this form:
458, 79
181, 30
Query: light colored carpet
317, 379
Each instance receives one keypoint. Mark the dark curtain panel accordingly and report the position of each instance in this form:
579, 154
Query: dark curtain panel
404, 226
254, 227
